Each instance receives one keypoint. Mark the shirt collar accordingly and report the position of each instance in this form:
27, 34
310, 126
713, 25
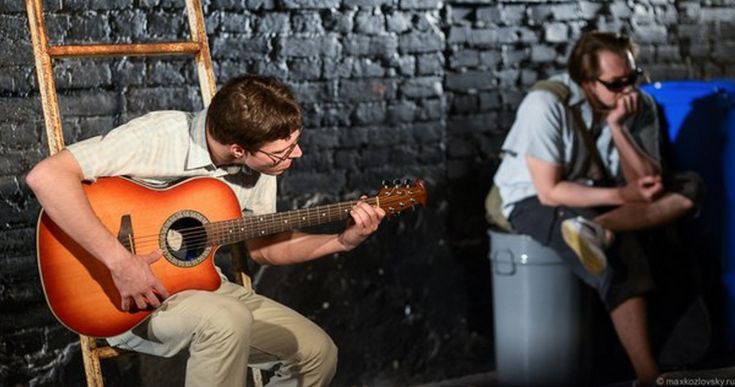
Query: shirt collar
577, 97
198, 153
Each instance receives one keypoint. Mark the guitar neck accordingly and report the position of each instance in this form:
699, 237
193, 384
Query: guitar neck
248, 227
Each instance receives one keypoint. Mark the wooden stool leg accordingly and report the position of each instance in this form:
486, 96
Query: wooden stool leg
91, 362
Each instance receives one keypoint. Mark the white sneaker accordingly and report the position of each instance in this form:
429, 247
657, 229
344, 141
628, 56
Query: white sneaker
588, 241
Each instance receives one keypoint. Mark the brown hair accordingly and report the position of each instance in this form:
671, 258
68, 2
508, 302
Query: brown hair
584, 64
251, 110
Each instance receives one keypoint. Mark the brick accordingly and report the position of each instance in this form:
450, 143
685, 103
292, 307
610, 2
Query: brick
310, 4
422, 87
369, 23
166, 25
368, 3
590, 10
714, 14
463, 104
305, 69
398, 22
258, 4
430, 64
307, 23
556, 32
370, 113
11, 6
620, 10
642, 15
515, 35
513, 14
689, 12
272, 23
19, 134
335, 21
651, 34
420, 42
20, 109
15, 79
668, 53
723, 53
464, 58
312, 92
401, 111
476, 38
366, 68
508, 77
488, 16
431, 109
539, 14
129, 25
84, 5
338, 68
367, 90
461, 15
565, 11
420, 4
237, 22
362, 45
238, 47
407, 65
528, 77
145, 100
311, 46
543, 53
489, 100
667, 14
513, 57
470, 80
81, 74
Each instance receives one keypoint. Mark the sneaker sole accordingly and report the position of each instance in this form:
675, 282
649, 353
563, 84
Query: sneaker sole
590, 258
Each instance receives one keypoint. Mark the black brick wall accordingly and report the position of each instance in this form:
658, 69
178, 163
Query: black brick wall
391, 89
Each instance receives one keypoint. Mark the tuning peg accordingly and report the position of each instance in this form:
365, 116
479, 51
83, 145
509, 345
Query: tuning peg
385, 183
396, 182
407, 182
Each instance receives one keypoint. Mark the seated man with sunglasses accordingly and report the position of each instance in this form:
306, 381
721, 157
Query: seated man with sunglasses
581, 173
247, 137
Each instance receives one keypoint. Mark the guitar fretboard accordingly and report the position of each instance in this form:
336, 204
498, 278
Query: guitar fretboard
247, 227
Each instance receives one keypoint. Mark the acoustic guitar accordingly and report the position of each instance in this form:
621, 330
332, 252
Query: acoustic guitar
187, 222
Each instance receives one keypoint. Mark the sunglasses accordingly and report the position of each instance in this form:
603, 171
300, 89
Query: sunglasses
618, 85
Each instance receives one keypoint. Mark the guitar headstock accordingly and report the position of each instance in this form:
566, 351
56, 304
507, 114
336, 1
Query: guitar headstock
401, 195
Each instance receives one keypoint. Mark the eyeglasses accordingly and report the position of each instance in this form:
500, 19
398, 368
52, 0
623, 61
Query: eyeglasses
618, 85
279, 159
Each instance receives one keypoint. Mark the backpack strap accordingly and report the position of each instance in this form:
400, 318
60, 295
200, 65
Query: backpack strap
596, 170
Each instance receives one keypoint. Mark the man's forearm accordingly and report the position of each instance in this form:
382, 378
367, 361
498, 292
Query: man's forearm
634, 162
567, 193
294, 247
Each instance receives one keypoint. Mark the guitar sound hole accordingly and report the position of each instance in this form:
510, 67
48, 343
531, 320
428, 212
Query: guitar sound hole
186, 239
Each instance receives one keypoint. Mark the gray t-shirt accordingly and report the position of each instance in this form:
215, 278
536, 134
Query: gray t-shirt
545, 128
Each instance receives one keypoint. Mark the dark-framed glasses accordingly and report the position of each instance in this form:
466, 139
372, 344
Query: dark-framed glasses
280, 156
618, 85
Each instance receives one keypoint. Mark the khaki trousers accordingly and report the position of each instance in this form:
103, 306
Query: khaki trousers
228, 329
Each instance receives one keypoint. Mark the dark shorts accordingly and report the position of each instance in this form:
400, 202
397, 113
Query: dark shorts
627, 274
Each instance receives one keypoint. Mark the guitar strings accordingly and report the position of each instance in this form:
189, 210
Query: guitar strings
288, 215
222, 230
222, 233
198, 236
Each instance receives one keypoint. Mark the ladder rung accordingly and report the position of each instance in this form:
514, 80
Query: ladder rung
135, 49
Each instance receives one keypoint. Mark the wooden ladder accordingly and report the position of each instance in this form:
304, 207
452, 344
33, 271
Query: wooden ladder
44, 54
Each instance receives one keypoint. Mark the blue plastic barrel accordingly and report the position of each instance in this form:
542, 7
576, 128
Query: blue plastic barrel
700, 121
